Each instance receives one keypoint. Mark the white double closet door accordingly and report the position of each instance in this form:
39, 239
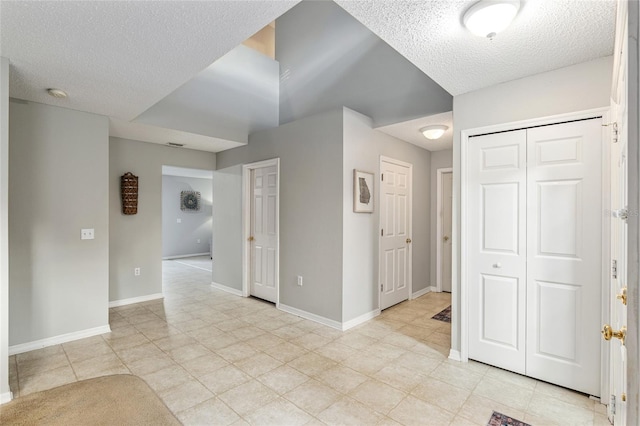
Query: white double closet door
534, 252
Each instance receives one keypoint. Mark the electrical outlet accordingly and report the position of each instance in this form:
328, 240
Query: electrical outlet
86, 234
300, 280
136, 271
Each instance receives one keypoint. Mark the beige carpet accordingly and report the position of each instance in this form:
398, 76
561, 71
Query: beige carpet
110, 400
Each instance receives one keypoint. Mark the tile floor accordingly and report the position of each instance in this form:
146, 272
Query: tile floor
218, 359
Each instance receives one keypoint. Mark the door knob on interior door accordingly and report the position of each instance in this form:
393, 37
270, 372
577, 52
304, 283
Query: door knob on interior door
250, 238
608, 333
446, 238
408, 240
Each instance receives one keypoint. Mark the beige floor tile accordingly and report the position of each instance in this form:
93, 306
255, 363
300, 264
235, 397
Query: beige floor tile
34, 366
456, 376
341, 378
258, 364
264, 341
279, 412
46, 380
387, 421
399, 377
336, 351
479, 409
504, 393
188, 352
377, 396
236, 352
400, 340
144, 351
442, 394
210, 412
413, 411
311, 341
128, 341
601, 420
104, 365
534, 420
356, 340
220, 341
246, 333
286, 351
368, 365
174, 341
224, 378
567, 395
511, 378
248, 397
77, 353
312, 396
312, 363
421, 364
145, 366
166, 378
185, 396
384, 350
461, 421
551, 408
283, 379
206, 364
347, 411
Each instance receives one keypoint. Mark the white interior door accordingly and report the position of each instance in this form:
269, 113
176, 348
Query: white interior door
445, 242
564, 254
395, 232
496, 249
264, 233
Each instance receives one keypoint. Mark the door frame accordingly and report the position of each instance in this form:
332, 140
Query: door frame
246, 224
439, 200
410, 232
460, 297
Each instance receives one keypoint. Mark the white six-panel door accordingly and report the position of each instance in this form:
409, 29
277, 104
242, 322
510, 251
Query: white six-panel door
395, 230
564, 254
264, 226
535, 252
497, 249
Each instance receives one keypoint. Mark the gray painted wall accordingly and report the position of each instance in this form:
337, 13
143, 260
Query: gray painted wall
5, 390
363, 147
179, 239
58, 185
348, 65
227, 227
310, 152
575, 88
136, 240
439, 160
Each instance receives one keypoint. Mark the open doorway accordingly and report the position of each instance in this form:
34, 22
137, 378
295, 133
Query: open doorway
187, 196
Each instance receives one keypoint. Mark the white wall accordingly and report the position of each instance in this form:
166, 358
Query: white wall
58, 185
575, 88
5, 391
193, 234
362, 149
136, 240
227, 227
439, 160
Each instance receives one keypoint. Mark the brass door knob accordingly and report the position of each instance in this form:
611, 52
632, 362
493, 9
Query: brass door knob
608, 333
408, 240
623, 296
446, 238
250, 238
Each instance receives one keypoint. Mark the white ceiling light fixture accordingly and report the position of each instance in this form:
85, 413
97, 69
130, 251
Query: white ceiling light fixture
57, 93
434, 132
489, 17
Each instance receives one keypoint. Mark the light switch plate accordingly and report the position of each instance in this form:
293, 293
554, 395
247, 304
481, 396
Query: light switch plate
86, 234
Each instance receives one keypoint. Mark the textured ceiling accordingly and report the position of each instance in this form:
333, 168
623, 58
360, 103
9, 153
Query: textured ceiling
545, 35
409, 131
118, 58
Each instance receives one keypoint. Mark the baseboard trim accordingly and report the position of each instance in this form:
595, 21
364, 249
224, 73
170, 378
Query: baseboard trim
423, 292
186, 255
359, 320
308, 315
132, 300
5, 397
228, 289
455, 355
56, 340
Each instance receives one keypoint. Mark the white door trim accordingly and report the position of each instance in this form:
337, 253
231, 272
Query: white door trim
379, 195
461, 317
439, 172
246, 224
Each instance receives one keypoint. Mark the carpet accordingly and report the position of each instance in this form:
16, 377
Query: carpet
110, 400
444, 315
499, 419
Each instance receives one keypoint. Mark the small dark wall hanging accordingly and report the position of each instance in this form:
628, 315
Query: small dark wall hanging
129, 193
190, 201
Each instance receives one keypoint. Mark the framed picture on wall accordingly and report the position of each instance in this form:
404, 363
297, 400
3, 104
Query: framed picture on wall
362, 192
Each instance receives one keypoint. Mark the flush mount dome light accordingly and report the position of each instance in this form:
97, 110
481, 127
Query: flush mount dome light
488, 17
57, 93
434, 132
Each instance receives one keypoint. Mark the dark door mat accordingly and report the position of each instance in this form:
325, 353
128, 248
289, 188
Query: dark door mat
499, 419
444, 315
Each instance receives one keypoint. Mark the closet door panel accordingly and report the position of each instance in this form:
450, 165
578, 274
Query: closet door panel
564, 249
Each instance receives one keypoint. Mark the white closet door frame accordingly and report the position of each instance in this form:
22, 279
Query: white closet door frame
459, 294
246, 225
439, 204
